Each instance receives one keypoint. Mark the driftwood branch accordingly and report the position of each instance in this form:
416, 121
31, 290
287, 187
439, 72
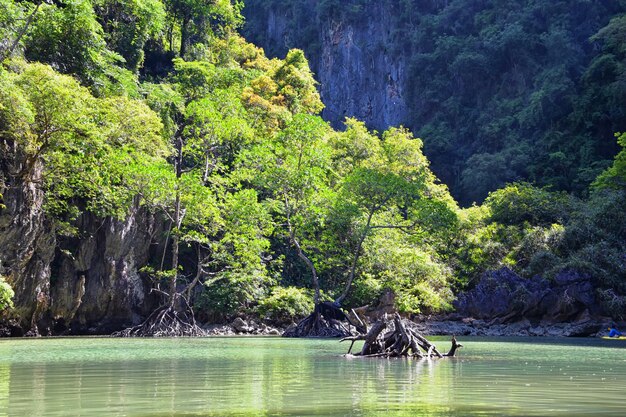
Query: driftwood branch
400, 341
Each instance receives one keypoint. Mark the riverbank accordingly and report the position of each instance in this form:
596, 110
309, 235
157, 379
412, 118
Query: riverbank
586, 326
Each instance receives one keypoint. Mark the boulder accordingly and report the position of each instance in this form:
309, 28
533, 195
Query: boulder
504, 297
240, 325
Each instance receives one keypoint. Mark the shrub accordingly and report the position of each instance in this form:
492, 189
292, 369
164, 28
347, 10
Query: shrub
613, 303
424, 297
218, 302
6, 295
365, 290
521, 202
286, 304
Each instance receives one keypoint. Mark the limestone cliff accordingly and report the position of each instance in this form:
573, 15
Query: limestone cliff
358, 75
88, 283
27, 242
497, 90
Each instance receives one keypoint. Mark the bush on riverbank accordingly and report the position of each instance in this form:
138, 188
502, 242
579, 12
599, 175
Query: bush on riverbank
286, 304
6, 295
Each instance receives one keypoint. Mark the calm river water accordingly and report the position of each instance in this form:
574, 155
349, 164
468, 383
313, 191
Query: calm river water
281, 377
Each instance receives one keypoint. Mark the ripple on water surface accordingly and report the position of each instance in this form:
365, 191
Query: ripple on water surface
288, 377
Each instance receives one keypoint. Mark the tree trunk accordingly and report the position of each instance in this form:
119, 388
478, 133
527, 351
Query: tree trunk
175, 317
184, 34
175, 246
355, 259
17, 40
178, 161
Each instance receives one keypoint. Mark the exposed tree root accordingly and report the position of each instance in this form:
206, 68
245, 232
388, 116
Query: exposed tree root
326, 320
315, 325
400, 341
165, 321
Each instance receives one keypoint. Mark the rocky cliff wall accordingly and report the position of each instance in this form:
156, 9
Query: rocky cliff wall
359, 76
27, 243
96, 284
85, 284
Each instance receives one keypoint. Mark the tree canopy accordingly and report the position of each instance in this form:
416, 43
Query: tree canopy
110, 106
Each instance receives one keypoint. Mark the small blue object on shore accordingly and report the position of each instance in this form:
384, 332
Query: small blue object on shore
613, 332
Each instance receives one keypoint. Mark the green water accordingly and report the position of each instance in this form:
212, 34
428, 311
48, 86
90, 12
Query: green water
282, 377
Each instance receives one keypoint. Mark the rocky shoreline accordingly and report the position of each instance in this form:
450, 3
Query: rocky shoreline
445, 326
476, 327
433, 326
241, 327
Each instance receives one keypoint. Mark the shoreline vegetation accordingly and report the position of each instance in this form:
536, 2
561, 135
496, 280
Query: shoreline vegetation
158, 171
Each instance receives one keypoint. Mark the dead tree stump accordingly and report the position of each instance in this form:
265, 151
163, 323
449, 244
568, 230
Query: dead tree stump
400, 341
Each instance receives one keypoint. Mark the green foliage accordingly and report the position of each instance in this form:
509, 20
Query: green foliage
287, 88
366, 290
197, 79
521, 202
392, 189
537, 232
6, 295
420, 281
12, 15
292, 169
129, 24
218, 302
296, 85
83, 144
244, 242
197, 20
501, 90
70, 38
593, 241
615, 176
353, 147
286, 304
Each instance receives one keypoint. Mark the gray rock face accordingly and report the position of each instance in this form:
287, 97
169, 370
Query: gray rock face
98, 287
86, 284
359, 77
27, 243
240, 325
506, 297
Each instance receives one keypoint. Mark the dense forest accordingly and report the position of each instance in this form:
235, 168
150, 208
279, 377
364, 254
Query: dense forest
120, 117
500, 91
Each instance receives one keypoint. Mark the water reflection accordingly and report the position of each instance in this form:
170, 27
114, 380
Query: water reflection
276, 377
